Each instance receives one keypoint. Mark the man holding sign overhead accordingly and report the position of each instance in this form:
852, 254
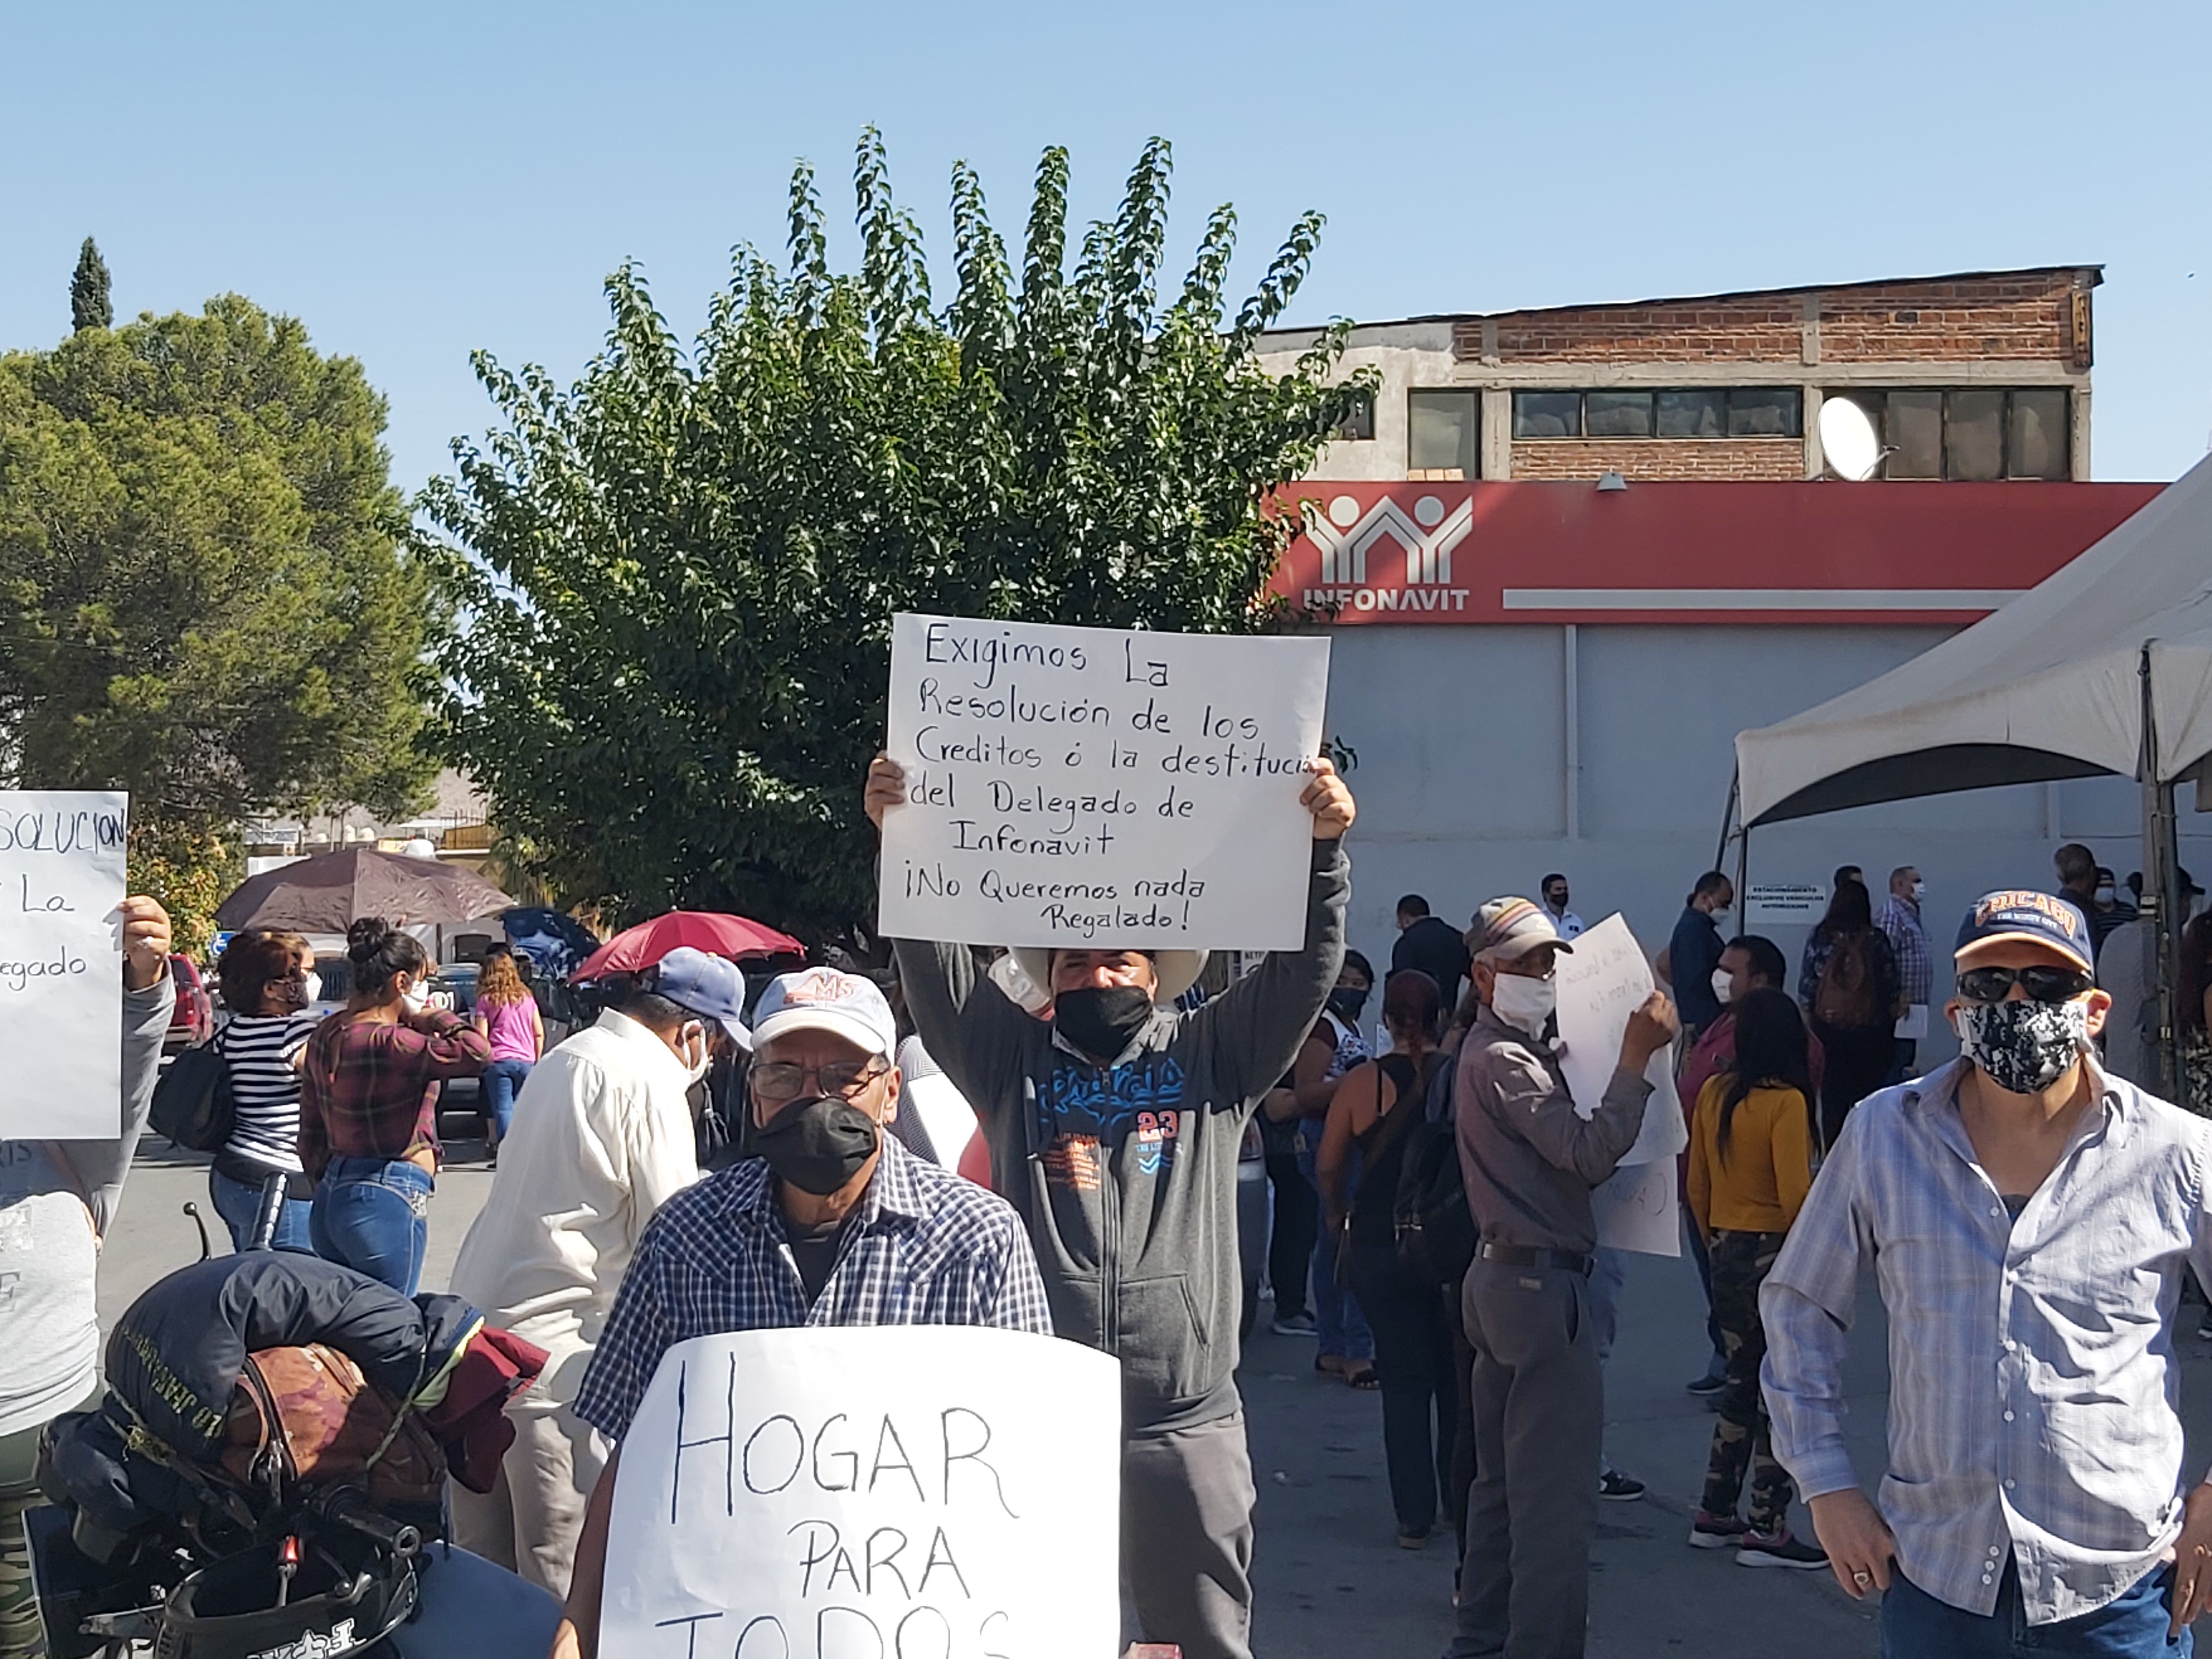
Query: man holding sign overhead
1114, 1121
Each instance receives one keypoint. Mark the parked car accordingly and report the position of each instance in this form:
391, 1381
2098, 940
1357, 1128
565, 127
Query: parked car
193, 1022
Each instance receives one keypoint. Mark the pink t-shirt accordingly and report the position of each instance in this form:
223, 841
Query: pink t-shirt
512, 1032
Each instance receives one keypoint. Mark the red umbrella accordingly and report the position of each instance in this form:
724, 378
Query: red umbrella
709, 931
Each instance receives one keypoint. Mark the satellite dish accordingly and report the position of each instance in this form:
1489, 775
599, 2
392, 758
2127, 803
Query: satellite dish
1848, 439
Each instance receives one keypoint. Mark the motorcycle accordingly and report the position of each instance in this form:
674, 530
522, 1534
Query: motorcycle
265, 1478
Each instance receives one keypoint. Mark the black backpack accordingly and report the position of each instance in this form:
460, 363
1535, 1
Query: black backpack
192, 1104
1435, 1231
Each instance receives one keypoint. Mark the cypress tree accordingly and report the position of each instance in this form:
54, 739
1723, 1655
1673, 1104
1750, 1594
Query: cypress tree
89, 306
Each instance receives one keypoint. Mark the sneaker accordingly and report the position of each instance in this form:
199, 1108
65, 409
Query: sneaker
1716, 1531
1708, 1387
1618, 1488
1781, 1550
2204, 1331
1297, 1324
1412, 1538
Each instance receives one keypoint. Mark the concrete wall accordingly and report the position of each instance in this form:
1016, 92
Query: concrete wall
1473, 781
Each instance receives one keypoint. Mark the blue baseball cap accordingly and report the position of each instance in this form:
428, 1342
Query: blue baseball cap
711, 986
2024, 915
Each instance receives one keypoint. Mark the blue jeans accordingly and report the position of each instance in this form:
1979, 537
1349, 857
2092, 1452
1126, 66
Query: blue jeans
503, 1081
238, 1204
1916, 1626
1337, 1322
373, 1217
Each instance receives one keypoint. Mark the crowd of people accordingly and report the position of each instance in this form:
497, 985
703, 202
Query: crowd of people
1049, 1143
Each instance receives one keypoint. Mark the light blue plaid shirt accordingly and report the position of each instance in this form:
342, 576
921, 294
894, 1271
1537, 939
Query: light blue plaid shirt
923, 1248
2033, 1388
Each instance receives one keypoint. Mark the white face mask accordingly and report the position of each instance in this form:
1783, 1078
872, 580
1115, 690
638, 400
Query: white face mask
312, 986
689, 1037
417, 996
1919, 891
1525, 1003
1724, 985
1721, 912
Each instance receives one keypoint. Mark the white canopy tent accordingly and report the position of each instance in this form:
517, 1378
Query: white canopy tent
2105, 668
2050, 686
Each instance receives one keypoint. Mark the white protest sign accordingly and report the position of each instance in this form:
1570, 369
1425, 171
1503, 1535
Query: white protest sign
1603, 980
1083, 785
910, 1492
61, 963
1637, 1210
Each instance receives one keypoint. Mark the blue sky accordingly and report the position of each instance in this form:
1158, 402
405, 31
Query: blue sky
417, 181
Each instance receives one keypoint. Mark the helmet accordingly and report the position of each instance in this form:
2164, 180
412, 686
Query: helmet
239, 1607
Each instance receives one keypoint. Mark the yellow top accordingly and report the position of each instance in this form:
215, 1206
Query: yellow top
1761, 1184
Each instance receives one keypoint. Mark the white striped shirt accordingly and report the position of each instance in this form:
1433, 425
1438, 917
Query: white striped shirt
2033, 1377
260, 1051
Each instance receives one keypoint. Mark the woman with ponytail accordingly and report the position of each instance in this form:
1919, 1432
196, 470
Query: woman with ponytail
368, 1124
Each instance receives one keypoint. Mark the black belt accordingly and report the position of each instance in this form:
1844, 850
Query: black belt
1519, 1255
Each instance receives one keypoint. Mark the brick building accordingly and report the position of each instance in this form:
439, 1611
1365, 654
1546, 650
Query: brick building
1537, 668
1982, 376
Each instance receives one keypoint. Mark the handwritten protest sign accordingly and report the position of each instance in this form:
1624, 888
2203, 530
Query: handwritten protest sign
1601, 982
1082, 785
899, 1490
61, 963
1637, 1209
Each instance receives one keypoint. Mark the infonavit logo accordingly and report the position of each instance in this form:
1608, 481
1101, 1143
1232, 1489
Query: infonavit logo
1426, 537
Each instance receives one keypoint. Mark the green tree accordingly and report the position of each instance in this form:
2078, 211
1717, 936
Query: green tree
676, 577
203, 595
89, 305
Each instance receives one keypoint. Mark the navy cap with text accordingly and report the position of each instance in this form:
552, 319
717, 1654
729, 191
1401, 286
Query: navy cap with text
2022, 913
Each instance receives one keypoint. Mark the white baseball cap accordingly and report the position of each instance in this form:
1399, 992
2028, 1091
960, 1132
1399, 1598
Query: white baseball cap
823, 1000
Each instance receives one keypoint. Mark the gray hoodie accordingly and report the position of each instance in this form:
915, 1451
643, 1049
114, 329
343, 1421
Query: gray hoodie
1126, 1175
58, 1201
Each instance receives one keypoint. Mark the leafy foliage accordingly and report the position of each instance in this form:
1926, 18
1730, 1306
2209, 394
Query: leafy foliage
678, 575
89, 305
202, 594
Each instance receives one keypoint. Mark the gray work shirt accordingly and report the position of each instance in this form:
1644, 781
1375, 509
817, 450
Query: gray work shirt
1528, 1157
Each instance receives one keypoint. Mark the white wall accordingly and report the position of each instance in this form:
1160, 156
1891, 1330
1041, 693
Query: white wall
1462, 785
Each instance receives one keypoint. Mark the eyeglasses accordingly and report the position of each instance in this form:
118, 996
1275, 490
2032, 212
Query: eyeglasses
781, 1080
2043, 983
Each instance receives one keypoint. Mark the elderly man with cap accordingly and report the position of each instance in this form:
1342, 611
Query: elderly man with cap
1529, 1160
832, 1222
602, 1137
2029, 1216
1114, 1130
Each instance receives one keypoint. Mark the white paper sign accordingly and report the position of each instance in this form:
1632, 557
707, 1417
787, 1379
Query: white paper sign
61, 963
1912, 1025
1082, 786
941, 1491
1603, 980
1637, 1210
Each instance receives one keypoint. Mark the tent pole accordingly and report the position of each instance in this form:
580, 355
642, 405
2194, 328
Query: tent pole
1728, 820
2162, 876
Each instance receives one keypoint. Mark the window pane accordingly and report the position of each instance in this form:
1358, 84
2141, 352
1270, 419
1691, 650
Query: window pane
1766, 412
1692, 414
1359, 425
2039, 435
1548, 414
1912, 430
1973, 434
1440, 432
1617, 413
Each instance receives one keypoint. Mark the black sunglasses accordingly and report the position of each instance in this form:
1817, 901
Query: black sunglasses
2043, 983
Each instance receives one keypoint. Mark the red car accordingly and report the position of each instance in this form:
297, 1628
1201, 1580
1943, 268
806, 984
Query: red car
193, 1022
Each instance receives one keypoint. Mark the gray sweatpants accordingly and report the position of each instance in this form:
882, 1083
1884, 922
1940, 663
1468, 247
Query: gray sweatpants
1539, 1412
1186, 1502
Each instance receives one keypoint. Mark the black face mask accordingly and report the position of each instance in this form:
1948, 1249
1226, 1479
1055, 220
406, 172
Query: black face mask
1346, 1003
1100, 1019
817, 1145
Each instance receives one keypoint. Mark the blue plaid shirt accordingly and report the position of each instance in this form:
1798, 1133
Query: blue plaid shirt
1899, 921
924, 1247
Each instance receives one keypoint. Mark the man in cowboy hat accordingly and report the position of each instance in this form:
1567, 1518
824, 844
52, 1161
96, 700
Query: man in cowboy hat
1114, 1130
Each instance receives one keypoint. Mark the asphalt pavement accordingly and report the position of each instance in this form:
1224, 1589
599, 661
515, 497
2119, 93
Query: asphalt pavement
1330, 1578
